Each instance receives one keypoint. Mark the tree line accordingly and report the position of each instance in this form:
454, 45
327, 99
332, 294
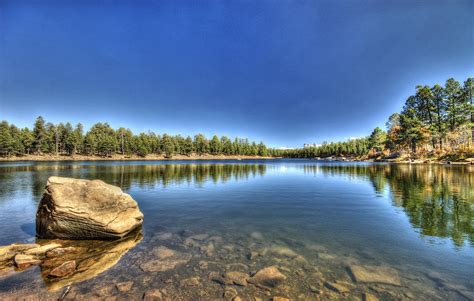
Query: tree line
434, 120
103, 140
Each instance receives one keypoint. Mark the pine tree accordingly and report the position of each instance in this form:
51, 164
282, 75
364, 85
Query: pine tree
215, 145
167, 146
6, 140
39, 134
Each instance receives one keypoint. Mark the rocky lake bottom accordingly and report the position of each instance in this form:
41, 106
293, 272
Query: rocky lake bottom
277, 230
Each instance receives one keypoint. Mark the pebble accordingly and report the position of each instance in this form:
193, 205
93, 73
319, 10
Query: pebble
153, 295
124, 286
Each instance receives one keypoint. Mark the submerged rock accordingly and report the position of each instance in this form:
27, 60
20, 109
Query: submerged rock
230, 293
190, 281
336, 287
83, 209
166, 259
237, 278
256, 235
370, 297
124, 286
64, 269
153, 295
43, 249
268, 277
23, 261
375, 274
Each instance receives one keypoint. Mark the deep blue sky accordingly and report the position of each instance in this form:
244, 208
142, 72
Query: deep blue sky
285, 72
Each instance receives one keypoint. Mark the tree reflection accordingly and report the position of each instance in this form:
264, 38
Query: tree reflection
438, 200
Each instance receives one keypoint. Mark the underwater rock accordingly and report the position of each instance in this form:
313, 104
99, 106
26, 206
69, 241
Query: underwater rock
237, 278
83, 209
23, 261
268, 277
230, 293
163, 236
124, 286
42, 249
370, 297
163, 252
256, 235
64, 269
336, 287
166, 259
199, 237
375, 274
153, 295
190, 281
280, 299
61, 251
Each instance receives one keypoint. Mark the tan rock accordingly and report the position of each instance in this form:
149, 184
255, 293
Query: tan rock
167, 259
370, 297
256, 235
190, 281
164, 236
336, 287
230, 293
268, 277
280, 299
199, 237
153, 295
124, 286
375, 274
83, 209
64, 269
163, 252
283, 251
43, 249
237, 278
62, 251
23, 261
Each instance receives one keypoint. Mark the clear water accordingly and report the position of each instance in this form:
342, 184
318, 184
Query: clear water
416, 219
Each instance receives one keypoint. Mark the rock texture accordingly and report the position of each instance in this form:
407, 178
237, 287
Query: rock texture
268, 277
375, 274
83, 209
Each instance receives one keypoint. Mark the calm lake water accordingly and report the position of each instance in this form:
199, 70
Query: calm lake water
313, 220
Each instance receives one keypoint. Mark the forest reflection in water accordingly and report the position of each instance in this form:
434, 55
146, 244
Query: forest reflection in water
438, 200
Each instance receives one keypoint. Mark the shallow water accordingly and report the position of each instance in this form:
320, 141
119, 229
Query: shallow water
313, 220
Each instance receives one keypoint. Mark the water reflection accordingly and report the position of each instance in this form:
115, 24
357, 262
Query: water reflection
438, 200
127, 175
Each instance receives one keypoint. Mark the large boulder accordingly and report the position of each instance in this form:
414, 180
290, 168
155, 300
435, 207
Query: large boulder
83, 209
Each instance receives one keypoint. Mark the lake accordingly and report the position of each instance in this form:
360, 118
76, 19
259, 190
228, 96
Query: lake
322, 224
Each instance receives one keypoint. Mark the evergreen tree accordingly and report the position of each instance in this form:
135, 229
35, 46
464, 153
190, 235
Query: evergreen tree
377, 139
39, 134
27, 139
215, 145
167, 146
78, 136
6, 140
456, 113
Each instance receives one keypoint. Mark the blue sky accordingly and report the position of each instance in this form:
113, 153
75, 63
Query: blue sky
285, 72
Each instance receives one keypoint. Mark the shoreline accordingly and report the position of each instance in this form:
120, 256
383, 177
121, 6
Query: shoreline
52, 158
44, 158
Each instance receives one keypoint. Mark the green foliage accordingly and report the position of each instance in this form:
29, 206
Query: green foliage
39, 133
377, 139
